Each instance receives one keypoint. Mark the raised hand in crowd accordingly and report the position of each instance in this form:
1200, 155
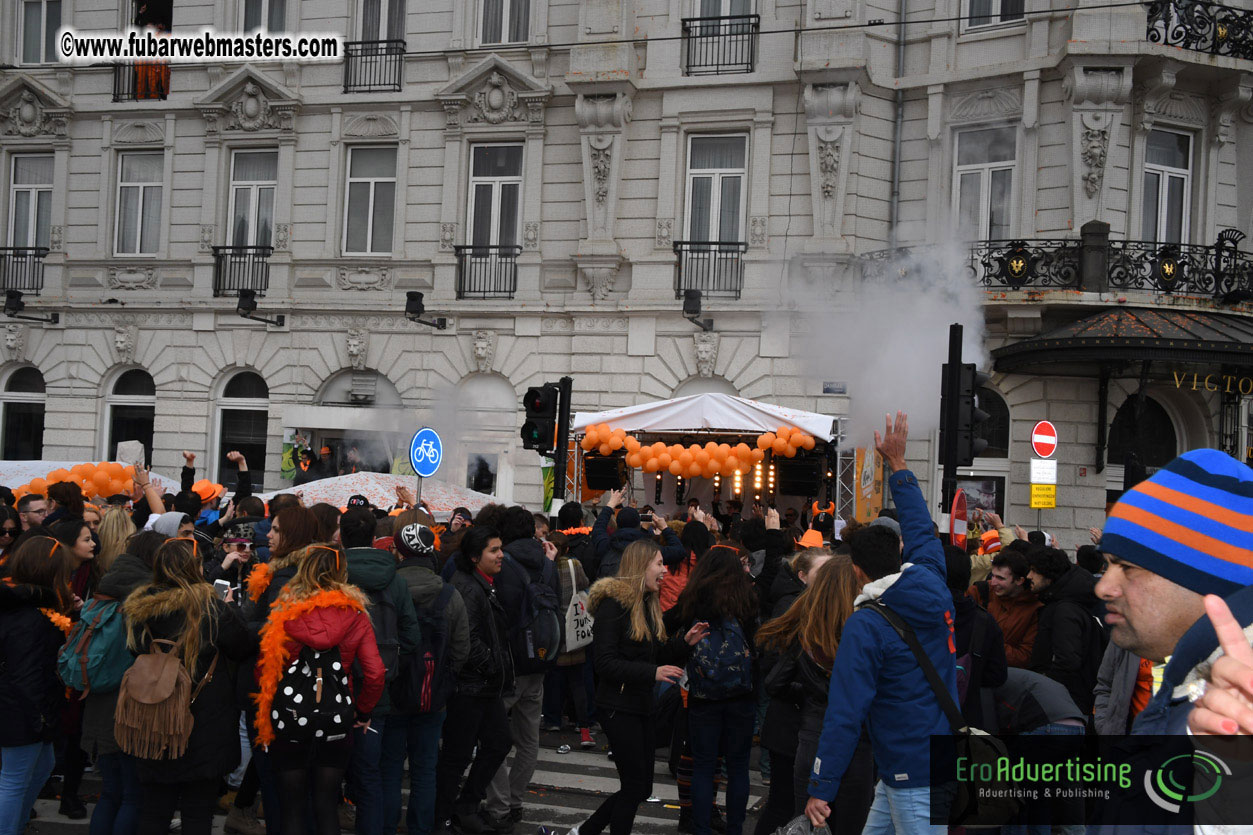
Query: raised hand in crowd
698, 633
891, 444
189, 458
237, 458
550, 550
772, 519
1226, 707
1095, 533
615, 498
405, 496
1020, 532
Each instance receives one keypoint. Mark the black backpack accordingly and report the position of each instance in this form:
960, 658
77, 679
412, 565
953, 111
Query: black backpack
426, 679
386, 624
313, 702
536, 642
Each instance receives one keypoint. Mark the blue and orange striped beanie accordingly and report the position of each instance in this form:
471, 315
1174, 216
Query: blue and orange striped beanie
1191, 522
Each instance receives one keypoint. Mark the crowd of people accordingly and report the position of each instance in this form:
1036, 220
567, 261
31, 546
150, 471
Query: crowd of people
290, 663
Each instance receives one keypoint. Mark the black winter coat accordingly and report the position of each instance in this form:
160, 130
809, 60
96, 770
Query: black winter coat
783, 592
1070, 642
488, 670
213, 749
966, 616
626, 668
31, 694
524, 564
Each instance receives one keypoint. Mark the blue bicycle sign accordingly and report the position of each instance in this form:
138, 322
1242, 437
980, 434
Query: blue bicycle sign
426, 451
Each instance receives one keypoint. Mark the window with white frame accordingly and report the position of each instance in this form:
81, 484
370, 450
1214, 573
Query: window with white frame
264, 15
993, 12
495, 194
30, 200
716, 173
254, 179
723, 8
983, 192
139, 189
382, 20
1167, 200
131, 408
370, 210
243, 418
22, 428
505, 21
38, 25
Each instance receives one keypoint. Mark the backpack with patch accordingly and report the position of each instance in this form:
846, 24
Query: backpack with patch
153, 718
313, 702
95, 656
721, 666
383, 618
426, 679
536, 642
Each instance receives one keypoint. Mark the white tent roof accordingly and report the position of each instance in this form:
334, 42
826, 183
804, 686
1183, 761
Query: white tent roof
708, 412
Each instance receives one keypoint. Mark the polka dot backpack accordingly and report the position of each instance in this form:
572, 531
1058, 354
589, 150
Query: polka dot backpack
313, 702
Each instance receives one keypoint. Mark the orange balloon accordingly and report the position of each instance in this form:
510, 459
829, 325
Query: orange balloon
676, 450
700, 457
101, 479
694, 470
128, 471
631, 444
606, 450
785, 432
58, 475
676, 468
618, 433
743, 451
115, 487
615, 443
603, 430
587, 443
808, 442
37, 485
115, 470
633, 460
128, 487
790, 452
711, 469
779, 446
711, 448
663, 460
658, 448
89, 471
766, 440
729, 467
685, 459
78, 469
759, 455
651, 465
725, 451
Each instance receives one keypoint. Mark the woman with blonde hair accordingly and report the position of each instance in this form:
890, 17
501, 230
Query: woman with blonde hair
632, 653
115, 531
803, 641
316, 630
180, 607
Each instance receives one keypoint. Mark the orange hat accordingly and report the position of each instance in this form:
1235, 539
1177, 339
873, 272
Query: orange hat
207, 490
811, 539
990, 542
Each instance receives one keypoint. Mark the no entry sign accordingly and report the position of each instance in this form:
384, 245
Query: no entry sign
1044, 439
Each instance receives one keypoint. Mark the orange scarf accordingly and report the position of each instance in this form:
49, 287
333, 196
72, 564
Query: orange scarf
574, 531
259, 580
274, 653
59, 620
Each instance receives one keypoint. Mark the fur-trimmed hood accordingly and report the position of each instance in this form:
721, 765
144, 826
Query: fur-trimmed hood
149, 602
610, 587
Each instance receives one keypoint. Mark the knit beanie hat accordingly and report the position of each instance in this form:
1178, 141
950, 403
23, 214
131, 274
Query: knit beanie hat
415, 540
887, 522
1191, 522
167, 524
628, 517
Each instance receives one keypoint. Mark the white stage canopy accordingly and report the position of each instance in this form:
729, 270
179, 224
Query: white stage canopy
710, 413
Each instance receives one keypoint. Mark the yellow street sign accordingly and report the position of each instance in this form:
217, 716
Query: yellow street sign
1043, 496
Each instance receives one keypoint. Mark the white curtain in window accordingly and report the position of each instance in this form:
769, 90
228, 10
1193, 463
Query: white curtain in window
252, 14
729, 210
256, 166
396, 20
20, 235
1148, 223
372, 15
373, 162
32, 170
32, 32
717, 152
150, 231
51, 24
698, 228
519, 20
481, 221
508, 232
278, 16
243, 211
358, 216
493, 20
384, 214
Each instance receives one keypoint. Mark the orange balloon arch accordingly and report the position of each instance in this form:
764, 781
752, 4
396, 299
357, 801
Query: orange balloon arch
107, 478
695, 460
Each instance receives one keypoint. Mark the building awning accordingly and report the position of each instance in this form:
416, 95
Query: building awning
1125, 336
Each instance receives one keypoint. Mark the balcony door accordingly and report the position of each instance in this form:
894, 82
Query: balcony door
1167, 187
383, 20
724, 8
254, 179
30, 200
715, 188
495, 195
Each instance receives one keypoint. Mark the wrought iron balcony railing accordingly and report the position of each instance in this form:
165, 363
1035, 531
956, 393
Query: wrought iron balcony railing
716, 268
487, 272
1202, 26
720, 45
373, 66
141, 81
22, 268
1092, 263
238, 268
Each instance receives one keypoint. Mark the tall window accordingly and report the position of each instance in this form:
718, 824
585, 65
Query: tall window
254, 176
139, 203
132, 409
371, 206
1144, 428
39, 24
495, 194
715, 187
991, 12
506, 21
266, 15
723, 8
382, 20
984, 178
30, 200
1167, 187
243, 415
22, 426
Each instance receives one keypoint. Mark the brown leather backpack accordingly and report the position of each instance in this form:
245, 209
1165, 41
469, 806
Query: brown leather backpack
153, 717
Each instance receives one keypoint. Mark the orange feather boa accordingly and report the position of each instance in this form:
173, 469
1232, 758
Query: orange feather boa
274, 654
259, 580
575, 531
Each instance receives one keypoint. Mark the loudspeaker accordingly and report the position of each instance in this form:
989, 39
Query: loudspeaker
604, 473
798, 476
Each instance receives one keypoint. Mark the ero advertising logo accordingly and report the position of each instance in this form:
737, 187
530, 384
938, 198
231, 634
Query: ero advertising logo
1166, 784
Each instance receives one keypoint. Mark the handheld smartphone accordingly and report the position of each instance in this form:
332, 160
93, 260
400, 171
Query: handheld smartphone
646, 518
221, 588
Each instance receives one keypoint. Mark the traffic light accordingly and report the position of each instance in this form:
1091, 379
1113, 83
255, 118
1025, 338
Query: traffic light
539, 431
960, 414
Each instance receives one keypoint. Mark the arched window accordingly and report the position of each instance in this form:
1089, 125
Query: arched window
132, 409
705, 385
243, 418
994, 430
1148, 432
22, 404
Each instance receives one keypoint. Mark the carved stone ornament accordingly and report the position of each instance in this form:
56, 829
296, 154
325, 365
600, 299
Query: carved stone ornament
601, 153
665, 229
252, 110
530, 235
15, 342
497, 102
602, 112
207, 233
132, 278
124, 338
600, 280
358, 344
829, 166
372, 125
758, 231
363, 278
706, 352
483, 344
447, 236
139, 133
28, 117
825, 103
282, 236
1094, 148
994, 103
1228, 104
56, 238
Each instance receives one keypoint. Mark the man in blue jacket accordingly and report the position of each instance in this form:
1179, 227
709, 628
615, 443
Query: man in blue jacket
876, 679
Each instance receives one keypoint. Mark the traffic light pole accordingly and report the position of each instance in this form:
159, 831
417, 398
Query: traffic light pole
951, 417
561, 455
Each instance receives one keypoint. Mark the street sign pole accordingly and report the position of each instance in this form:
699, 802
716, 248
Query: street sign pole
426, 453
561, 455
951, 416
418, 493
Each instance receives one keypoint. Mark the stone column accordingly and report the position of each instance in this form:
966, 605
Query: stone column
601, 119
1098, 97
830, 115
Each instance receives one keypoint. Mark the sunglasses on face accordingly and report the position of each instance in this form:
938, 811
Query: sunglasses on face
7, 531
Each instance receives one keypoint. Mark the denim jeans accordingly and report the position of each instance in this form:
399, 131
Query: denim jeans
117, 811
1035, 820
23, 770
364, 776
724, 727
415, 737
902, 811
236, 777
